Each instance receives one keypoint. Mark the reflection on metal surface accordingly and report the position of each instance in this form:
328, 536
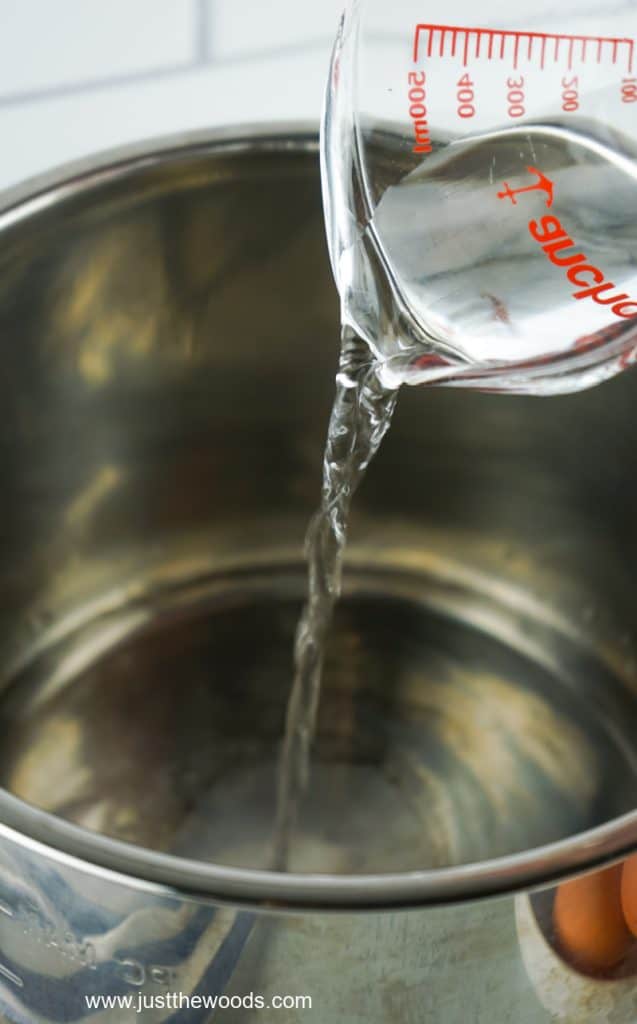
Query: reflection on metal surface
11, 976
85, 504
165, 394
103, 311
464, 748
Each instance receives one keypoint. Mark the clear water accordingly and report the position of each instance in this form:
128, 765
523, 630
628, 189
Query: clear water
439, 270
361, 415
456, 271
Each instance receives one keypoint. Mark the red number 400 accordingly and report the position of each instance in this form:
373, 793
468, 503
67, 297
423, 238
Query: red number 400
466, 96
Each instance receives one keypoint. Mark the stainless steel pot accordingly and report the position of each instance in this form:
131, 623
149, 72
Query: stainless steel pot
169, 338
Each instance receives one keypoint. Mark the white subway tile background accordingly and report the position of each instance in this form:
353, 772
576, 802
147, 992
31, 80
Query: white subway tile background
79, 76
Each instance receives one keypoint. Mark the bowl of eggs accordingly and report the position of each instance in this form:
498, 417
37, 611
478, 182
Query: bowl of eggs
579, 945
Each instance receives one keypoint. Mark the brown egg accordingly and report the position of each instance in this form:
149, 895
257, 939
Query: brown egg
629, 893
589, 921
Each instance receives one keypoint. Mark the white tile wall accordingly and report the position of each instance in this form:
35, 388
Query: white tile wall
60, 42
79, 76
239, 29
61, 128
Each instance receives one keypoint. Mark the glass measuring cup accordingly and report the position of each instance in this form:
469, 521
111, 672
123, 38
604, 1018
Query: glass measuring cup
480, 189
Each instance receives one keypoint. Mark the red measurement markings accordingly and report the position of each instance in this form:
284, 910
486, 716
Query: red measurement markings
465, 96
616, 48
417, 95
629, 90
570, 94
557, 245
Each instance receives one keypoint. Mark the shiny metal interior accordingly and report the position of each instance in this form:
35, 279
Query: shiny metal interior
169, 331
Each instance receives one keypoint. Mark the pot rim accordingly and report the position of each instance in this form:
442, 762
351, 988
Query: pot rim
46, 835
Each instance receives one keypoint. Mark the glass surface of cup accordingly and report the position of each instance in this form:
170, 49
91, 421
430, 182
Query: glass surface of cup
481, 188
